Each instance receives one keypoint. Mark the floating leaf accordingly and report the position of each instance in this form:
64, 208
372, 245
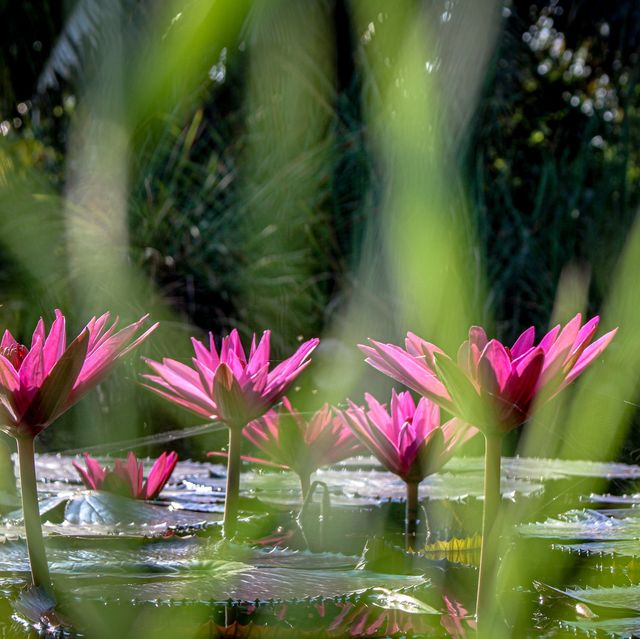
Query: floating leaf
174, 555
360, 487
539, 469
618, 597
106, 509
631, 500
96, 513
619, 628
630, 548
391, 600
58, 468
220, 581
461, 551
584, 524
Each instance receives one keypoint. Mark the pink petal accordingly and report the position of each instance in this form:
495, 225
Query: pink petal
39, 333
293, 364
159, 474
417, 347
478, 337
210, 411
584, 337
524, 382
55, 344
32, 369
9, 378
561, 347
204, 355
589, 354
398, 364
523, 343
494, 368
260, 356
8, 340
549, 338
185, 385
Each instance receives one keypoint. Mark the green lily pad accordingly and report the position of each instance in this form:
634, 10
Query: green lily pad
195, 571
615, 628
618, 597
617, 548
587, 525
97, 513
540, 469
358, 487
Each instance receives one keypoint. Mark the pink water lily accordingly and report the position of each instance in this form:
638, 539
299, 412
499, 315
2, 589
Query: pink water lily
494, 387
40, 382
127, 478
226, 384
229, 386
303, 445
408, 439
491, 385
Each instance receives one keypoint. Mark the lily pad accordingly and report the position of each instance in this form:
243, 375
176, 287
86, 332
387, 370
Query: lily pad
222, 581
540, 469
195, 571
619, 628
360, 487
58, 468
618, 597
171, 556
96, 507
588, 525
617, 548
97, 513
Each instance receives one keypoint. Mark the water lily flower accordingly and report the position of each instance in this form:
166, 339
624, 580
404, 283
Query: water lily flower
491, 385
227, 385
494, 387
40, 382
303, 445
408, 440
127, 478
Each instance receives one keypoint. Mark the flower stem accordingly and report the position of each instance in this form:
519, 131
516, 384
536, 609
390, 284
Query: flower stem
232, 497
305, 484
31, 513
492, 498
411, 515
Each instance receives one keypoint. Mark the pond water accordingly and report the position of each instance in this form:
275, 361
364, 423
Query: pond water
569, 555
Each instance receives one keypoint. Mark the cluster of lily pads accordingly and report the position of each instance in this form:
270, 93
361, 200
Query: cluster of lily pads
489, 388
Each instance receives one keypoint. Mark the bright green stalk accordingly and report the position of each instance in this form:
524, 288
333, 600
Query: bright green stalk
492, 497
31, 513
411, 515
232, 496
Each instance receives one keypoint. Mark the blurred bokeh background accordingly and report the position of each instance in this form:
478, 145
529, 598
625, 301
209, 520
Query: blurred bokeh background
323, 167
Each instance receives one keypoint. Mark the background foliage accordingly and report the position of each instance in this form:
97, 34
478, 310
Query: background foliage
231, 228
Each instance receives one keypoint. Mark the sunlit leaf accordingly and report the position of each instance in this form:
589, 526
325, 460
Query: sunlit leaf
618, 628
462, 551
